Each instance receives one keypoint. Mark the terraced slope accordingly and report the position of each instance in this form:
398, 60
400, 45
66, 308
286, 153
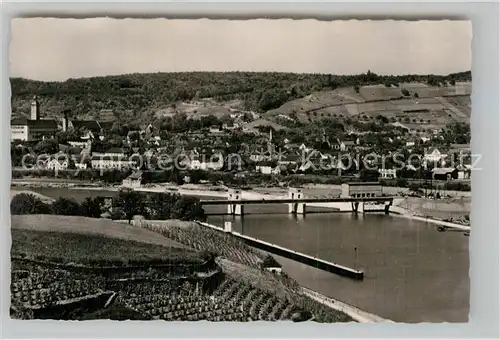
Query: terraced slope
426, 106
88, 274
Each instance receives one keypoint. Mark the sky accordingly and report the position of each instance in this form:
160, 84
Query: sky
53, 49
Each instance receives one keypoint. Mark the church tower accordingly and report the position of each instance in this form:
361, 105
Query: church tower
35, 109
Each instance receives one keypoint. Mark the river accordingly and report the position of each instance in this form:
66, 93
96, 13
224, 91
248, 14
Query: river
412, 272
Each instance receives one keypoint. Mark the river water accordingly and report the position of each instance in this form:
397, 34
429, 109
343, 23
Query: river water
413, 273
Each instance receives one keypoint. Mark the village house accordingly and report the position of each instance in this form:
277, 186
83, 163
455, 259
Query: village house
133, 181
271, 265
268, 168
56, 164
214, 129
91, 128
464, 171
444, 173
344, 146
435, 157
115, 152
80, 162
213, 162
387, 173
290, 158
104, 162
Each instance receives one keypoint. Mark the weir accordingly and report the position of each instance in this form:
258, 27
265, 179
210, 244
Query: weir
297, 202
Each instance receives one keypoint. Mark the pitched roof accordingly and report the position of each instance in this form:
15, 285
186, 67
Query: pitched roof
136, 175
19, 121
106, 125
42, 124
74, 150
116, 150
92, 125
442, 171
109, 158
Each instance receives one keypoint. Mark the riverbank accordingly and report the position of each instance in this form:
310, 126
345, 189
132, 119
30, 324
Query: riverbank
399, 212
445, 212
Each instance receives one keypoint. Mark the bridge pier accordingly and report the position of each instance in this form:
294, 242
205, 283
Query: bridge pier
358, 207
387, 206
234, 209
296, 208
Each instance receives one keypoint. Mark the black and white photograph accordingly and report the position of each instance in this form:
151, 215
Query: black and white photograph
240, 170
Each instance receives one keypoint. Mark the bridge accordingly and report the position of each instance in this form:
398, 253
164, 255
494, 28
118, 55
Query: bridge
297, 202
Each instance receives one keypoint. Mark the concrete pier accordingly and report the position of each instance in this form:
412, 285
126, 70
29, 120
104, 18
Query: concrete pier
296, 208
234, 208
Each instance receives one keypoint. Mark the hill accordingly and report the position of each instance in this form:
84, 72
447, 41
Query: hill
134, 97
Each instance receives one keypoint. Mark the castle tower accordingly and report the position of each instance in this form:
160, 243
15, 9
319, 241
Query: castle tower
35, 109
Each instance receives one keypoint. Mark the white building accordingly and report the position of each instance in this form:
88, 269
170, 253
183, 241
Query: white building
268, 169
387, 173
435, 157
133, 181
57, 165
111, 163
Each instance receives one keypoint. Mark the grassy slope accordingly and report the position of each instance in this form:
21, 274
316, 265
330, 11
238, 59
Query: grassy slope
86, 249
91, 226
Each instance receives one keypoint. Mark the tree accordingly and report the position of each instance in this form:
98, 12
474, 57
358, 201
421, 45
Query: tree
187, 208
71, 164
130, 202
356, 88
48, 146
405, 92
402, 182
63, 137
366, 175
68, 207
91, 207
196, 176
247, 117
160, 205
415, 95
24, 204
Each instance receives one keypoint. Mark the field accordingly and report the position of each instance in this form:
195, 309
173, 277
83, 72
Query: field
75, 268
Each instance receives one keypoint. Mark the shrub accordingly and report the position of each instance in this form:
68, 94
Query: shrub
23, 204
64, 206
402, 182
91, 207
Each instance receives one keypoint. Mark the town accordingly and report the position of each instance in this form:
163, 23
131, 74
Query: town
378, 138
